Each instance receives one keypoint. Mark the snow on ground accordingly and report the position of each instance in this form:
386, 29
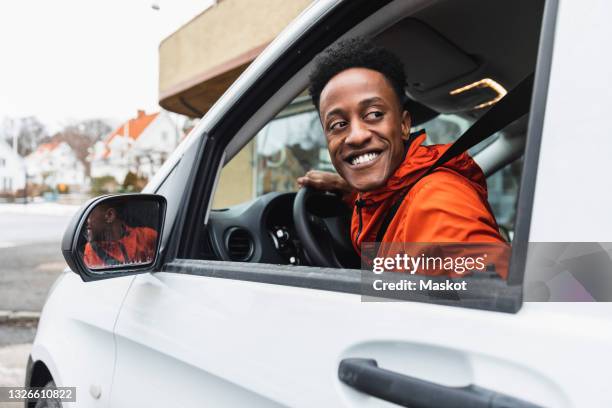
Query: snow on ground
39, 209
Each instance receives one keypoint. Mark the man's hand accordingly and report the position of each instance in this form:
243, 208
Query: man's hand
324, 180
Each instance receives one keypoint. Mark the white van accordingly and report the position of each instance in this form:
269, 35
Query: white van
232, 308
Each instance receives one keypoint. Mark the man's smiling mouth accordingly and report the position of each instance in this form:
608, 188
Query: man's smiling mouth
363, 159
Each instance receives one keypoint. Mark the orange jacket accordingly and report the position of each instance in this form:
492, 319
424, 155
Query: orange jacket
450, 205
138, 244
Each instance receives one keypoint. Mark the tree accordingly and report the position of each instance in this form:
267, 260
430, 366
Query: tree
81, 136
133, 183
29, 132
92, 129
103, 185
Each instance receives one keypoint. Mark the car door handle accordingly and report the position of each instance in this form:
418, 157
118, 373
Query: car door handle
364, 375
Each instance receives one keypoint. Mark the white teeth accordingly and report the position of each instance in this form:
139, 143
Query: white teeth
366, 157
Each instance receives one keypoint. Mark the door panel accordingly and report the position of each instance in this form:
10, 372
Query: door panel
231, 343
74, 337
165, 357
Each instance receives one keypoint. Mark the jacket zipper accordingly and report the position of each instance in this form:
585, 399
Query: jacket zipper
359, 203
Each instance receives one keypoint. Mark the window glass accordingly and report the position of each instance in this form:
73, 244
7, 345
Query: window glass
502, 185
503, 189
286, 148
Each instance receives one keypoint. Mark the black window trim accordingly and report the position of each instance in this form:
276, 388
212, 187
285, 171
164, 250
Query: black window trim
507, 295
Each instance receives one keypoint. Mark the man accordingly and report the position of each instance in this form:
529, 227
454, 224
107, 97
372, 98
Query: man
358, 89
112, 242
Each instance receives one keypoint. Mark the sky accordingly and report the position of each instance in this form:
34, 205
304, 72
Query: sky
68, 60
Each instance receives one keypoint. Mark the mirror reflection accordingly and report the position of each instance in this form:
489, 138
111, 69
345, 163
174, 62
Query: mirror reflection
120, 232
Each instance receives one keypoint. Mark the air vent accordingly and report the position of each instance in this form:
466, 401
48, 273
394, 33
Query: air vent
239, 244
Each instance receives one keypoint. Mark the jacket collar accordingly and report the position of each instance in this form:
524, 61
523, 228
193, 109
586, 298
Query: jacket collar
416, 161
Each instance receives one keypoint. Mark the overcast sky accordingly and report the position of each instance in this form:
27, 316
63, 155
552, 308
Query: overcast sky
64, 60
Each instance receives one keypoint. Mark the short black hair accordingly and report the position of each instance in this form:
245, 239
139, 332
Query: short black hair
356, 53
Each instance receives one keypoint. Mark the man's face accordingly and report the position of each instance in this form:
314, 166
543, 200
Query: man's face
99, 224
365, 127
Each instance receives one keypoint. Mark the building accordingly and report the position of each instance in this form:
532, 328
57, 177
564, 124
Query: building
56, 166
12, 171
204, 57
139, 146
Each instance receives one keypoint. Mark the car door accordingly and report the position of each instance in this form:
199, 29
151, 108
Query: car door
218, 333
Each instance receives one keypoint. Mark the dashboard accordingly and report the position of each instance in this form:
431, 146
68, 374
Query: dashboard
261, 230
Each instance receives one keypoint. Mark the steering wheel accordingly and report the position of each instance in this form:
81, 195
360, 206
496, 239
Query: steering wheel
322, 222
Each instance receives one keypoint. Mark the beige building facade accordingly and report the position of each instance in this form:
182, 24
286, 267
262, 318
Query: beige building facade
203, 58
199, 61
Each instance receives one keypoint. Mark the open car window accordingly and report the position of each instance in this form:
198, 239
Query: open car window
293, 143
255, 205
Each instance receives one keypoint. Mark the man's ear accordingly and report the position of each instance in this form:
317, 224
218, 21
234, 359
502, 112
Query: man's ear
406, 124
110, 215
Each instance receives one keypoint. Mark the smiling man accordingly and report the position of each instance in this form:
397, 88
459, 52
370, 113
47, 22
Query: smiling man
110, 241
358, 89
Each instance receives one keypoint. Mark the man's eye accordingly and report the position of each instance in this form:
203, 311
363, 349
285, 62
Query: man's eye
338, 125
374, 115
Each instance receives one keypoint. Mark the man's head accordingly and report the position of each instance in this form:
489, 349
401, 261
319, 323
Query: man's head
104, 223
358, 89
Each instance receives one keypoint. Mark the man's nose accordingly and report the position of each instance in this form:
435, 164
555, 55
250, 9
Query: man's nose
359, 134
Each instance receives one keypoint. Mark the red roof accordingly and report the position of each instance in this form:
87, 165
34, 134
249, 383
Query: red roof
47, 146
133, 127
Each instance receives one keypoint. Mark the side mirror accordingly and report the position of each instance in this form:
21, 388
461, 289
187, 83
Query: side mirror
115, 235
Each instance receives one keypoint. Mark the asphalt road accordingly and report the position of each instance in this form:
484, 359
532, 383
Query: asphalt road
26, 274
22, 229
30, 258
30, 261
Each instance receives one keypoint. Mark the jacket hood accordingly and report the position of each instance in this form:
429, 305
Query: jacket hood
418, 159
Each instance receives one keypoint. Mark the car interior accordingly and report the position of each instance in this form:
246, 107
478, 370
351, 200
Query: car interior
460, 59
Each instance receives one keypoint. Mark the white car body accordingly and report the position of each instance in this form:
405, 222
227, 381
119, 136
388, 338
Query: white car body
179, 340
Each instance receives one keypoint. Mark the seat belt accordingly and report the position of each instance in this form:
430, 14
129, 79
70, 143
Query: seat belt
511, 107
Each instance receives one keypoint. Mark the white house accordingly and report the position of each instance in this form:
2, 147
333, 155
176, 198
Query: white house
140, 146
54, 164
12, 170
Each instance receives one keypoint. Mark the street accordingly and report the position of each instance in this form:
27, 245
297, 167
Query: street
30, 261
26, 273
